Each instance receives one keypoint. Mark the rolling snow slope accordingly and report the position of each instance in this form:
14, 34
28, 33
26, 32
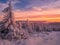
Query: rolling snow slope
43, 38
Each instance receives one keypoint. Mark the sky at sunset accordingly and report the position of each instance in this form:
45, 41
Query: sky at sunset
36, 10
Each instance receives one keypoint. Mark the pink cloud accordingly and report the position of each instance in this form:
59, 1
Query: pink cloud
36, 11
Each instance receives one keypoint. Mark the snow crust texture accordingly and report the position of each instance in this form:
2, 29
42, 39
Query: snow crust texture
42, 38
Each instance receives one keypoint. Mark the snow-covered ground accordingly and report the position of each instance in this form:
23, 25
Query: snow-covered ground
42, 38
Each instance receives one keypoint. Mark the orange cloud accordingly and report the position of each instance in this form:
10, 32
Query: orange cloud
19, 13
38, 14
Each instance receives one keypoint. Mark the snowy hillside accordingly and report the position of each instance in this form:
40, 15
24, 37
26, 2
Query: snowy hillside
43, 38
32, 33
